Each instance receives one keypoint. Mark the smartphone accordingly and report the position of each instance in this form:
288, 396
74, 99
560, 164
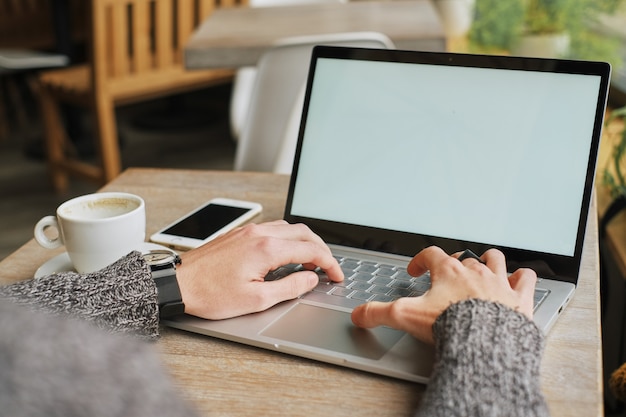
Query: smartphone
207, 222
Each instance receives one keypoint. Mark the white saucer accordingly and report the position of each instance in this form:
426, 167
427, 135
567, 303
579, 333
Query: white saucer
62, 262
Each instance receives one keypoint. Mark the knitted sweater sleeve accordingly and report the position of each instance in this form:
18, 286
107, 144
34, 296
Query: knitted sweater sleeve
487, 363
61, 366
121, 297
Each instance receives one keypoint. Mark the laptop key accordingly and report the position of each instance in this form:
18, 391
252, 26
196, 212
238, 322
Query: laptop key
385, 271
360, 286
351, 264
379, 289
332, 300
323, 287
343, 283
401, 284
368, 268
341, 292
362, 276
403, 275
400, 292
383, 298
361, 295
382, 281
347, 272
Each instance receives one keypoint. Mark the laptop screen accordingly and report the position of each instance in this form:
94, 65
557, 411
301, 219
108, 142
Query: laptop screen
472, 150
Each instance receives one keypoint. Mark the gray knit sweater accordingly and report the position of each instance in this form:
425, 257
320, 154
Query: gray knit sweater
488, 356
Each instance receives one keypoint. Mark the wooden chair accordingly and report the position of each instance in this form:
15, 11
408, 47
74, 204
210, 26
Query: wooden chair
136, 55
26, 27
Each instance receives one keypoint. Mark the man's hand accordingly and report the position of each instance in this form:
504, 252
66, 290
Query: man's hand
451, 281
225, 277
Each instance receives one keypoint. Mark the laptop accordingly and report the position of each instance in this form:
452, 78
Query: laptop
400, 150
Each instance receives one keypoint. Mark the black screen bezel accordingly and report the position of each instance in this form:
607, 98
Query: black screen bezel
545, 264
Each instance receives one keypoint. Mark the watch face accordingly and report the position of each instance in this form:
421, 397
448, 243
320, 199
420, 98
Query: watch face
160, 257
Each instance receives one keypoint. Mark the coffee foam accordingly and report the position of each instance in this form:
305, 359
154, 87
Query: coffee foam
101, 209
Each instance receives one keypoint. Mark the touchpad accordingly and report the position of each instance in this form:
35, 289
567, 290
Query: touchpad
332, 330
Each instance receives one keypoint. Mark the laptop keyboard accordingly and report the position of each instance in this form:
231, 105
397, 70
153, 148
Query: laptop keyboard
367, 280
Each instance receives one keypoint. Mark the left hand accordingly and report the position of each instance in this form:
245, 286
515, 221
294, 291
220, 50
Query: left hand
225, 277
451, 281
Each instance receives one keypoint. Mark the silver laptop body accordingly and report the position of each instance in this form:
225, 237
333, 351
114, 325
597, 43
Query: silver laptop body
400, 150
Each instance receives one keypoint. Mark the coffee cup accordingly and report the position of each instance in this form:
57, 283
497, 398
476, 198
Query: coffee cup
96, 229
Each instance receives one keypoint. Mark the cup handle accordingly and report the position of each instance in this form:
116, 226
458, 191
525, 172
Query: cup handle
40, 236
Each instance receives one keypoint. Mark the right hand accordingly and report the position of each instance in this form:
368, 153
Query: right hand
226, 277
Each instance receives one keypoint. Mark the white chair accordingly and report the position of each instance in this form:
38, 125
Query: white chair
243, 81
269, 134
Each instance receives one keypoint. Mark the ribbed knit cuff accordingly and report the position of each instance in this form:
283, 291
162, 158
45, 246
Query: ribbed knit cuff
488, 362
121, 297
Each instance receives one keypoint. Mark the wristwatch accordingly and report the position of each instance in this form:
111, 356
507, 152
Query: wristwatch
163, 266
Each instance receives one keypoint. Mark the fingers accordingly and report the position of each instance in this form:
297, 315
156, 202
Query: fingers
281, 243
373, 314
425, 260
433, 257
523, 282
282, 229
496, 261
311, 255
407, 314
452, 281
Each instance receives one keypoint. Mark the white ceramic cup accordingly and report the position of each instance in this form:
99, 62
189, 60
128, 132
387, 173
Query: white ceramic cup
96, 229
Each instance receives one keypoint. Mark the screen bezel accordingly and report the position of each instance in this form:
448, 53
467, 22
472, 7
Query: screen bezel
545, 264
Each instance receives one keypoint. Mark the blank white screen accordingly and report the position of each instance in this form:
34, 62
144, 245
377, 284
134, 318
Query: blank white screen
483, 155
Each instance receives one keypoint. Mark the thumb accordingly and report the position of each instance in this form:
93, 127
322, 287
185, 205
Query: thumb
371, 314
289, 287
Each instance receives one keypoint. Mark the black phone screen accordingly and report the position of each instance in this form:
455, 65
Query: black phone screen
206, 221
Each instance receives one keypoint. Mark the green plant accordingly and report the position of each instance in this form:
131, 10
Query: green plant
497, 24
613, 176
610, 6
554, 16
548, 16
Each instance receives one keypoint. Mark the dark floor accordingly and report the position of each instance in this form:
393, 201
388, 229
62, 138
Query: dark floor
150, 137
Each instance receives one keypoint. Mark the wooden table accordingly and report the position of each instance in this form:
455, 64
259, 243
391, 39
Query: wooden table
235, 37
224, 378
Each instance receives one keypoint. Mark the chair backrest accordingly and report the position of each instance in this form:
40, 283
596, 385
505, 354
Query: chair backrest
243, 82
278, 95
132, 38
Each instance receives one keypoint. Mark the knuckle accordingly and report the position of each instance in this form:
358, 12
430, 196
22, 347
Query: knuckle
452, 264
294, 288
267, 246
430, 250
398, 309
250, 229
528, 273
261, 300
301, 227
493, 253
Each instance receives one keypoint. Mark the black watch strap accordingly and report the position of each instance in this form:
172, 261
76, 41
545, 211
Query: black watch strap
163, 266
168, 292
